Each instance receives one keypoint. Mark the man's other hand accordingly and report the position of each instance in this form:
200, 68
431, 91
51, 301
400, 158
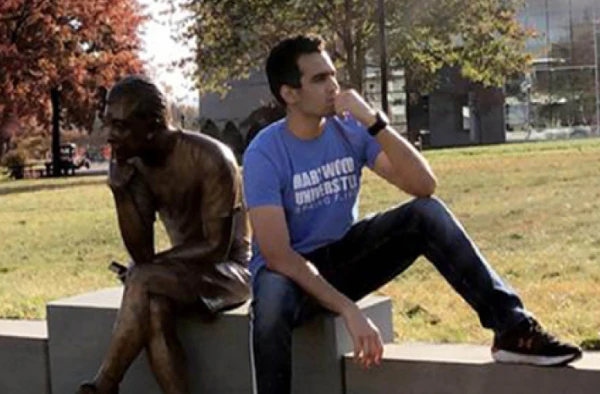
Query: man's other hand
368, 345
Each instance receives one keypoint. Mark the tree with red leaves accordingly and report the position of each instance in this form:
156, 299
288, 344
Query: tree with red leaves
57, 57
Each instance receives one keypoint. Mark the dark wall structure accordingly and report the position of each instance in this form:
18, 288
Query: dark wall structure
457, 113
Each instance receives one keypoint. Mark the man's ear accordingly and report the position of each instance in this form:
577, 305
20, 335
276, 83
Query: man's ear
289, 94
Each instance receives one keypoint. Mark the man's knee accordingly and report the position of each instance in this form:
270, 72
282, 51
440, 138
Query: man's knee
275, 301
428, 208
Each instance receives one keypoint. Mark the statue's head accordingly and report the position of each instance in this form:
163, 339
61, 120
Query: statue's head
136, 111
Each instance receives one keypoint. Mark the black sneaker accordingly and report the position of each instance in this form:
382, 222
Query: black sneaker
528, 343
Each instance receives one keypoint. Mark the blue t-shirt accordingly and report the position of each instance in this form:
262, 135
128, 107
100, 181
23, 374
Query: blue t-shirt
316, 182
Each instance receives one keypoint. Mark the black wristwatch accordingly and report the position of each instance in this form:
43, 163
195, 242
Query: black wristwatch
381, 122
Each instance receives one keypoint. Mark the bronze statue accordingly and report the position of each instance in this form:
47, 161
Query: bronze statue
194, 184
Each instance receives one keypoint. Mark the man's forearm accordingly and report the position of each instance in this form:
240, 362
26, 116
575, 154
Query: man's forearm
411, 168
306, 275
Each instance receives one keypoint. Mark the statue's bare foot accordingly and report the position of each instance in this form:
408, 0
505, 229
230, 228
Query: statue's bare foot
90, 388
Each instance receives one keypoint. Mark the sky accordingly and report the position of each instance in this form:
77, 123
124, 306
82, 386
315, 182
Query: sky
159, 49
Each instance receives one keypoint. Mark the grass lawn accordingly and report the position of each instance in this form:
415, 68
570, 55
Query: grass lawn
533, 209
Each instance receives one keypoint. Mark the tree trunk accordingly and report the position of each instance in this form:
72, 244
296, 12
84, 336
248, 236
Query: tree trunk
55, 99
383, 64
360, 63
412, 106
349, 44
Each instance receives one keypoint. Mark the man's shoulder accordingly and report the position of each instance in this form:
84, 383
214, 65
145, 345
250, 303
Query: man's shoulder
267, 136
348, 124
265, 152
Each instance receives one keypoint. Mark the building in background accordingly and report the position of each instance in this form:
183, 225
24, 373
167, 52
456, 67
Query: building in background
561, 91
558, 98
559, 95
396, 94
457, 113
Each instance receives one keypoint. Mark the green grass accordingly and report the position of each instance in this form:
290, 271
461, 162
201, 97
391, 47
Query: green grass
58, 236
533, 209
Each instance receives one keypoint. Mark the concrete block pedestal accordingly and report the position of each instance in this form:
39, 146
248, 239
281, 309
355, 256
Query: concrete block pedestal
54, 357
24, 357
218, 356
420, 368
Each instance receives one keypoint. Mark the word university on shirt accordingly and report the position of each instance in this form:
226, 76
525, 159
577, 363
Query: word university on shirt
326, 184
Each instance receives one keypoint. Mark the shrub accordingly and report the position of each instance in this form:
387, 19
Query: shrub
14, 158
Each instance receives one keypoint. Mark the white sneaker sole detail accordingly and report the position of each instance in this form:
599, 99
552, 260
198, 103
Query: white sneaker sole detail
504, 356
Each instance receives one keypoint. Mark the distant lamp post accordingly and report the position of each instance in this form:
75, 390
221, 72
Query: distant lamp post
526, 87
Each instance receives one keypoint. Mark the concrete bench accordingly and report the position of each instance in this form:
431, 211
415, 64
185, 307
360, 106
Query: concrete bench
217, 353
466, 369
24, 357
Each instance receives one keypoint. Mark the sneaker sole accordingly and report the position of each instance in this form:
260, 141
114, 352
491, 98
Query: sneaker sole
504, 356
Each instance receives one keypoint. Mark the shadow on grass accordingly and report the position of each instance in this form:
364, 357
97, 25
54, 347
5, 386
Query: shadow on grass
34, 188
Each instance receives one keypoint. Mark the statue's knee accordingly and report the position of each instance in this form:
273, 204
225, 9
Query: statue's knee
137, 278
160, 305
160, 312
155, 306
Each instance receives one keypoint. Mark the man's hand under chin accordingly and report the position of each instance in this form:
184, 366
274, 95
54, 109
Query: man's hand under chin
350, 102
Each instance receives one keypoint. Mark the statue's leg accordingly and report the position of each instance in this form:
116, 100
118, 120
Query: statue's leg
165, 352
146, 319
175, 286
164, 286
130, 334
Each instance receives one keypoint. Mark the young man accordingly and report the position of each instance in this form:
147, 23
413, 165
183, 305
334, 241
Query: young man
301, 181
193, 182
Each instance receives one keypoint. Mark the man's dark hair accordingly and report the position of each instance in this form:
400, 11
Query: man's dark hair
147, 99
282, 64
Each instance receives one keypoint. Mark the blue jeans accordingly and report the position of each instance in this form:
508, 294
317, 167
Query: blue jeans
373, 252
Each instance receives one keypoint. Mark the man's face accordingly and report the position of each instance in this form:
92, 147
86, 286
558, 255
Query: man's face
126, 132
319, 85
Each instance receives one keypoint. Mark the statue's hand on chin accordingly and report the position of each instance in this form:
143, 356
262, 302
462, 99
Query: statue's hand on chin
120, 173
